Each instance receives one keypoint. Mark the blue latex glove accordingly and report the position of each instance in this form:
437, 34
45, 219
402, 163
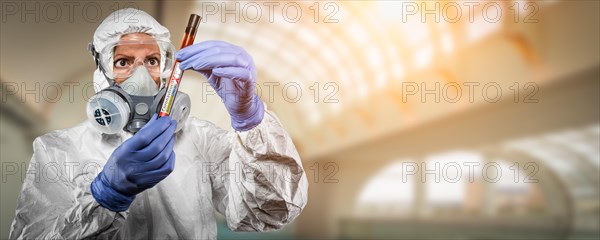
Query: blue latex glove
136, 165
231, 72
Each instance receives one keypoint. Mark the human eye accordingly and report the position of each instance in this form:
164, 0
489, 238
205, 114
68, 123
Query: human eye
121, 62
153, 61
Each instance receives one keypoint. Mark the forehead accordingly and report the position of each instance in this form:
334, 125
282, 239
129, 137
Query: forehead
137, 43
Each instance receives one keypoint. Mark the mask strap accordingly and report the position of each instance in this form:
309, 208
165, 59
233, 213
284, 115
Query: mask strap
92, 49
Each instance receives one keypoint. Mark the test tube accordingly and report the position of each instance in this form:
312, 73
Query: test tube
177, 74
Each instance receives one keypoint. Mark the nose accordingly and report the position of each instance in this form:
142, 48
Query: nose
138, 62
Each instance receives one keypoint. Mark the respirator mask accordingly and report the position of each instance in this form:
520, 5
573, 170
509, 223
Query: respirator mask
136, 68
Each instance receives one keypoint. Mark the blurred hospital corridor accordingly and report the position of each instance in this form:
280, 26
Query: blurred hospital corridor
413, 119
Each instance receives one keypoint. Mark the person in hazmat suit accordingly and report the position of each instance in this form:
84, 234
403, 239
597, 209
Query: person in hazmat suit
126, 173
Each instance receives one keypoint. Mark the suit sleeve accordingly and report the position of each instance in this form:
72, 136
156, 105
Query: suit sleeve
257, 177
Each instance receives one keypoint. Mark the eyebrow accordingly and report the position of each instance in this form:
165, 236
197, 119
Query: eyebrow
119, 55
154, 54
122, 55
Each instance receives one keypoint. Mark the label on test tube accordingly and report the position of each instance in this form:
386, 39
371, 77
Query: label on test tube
172, 87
